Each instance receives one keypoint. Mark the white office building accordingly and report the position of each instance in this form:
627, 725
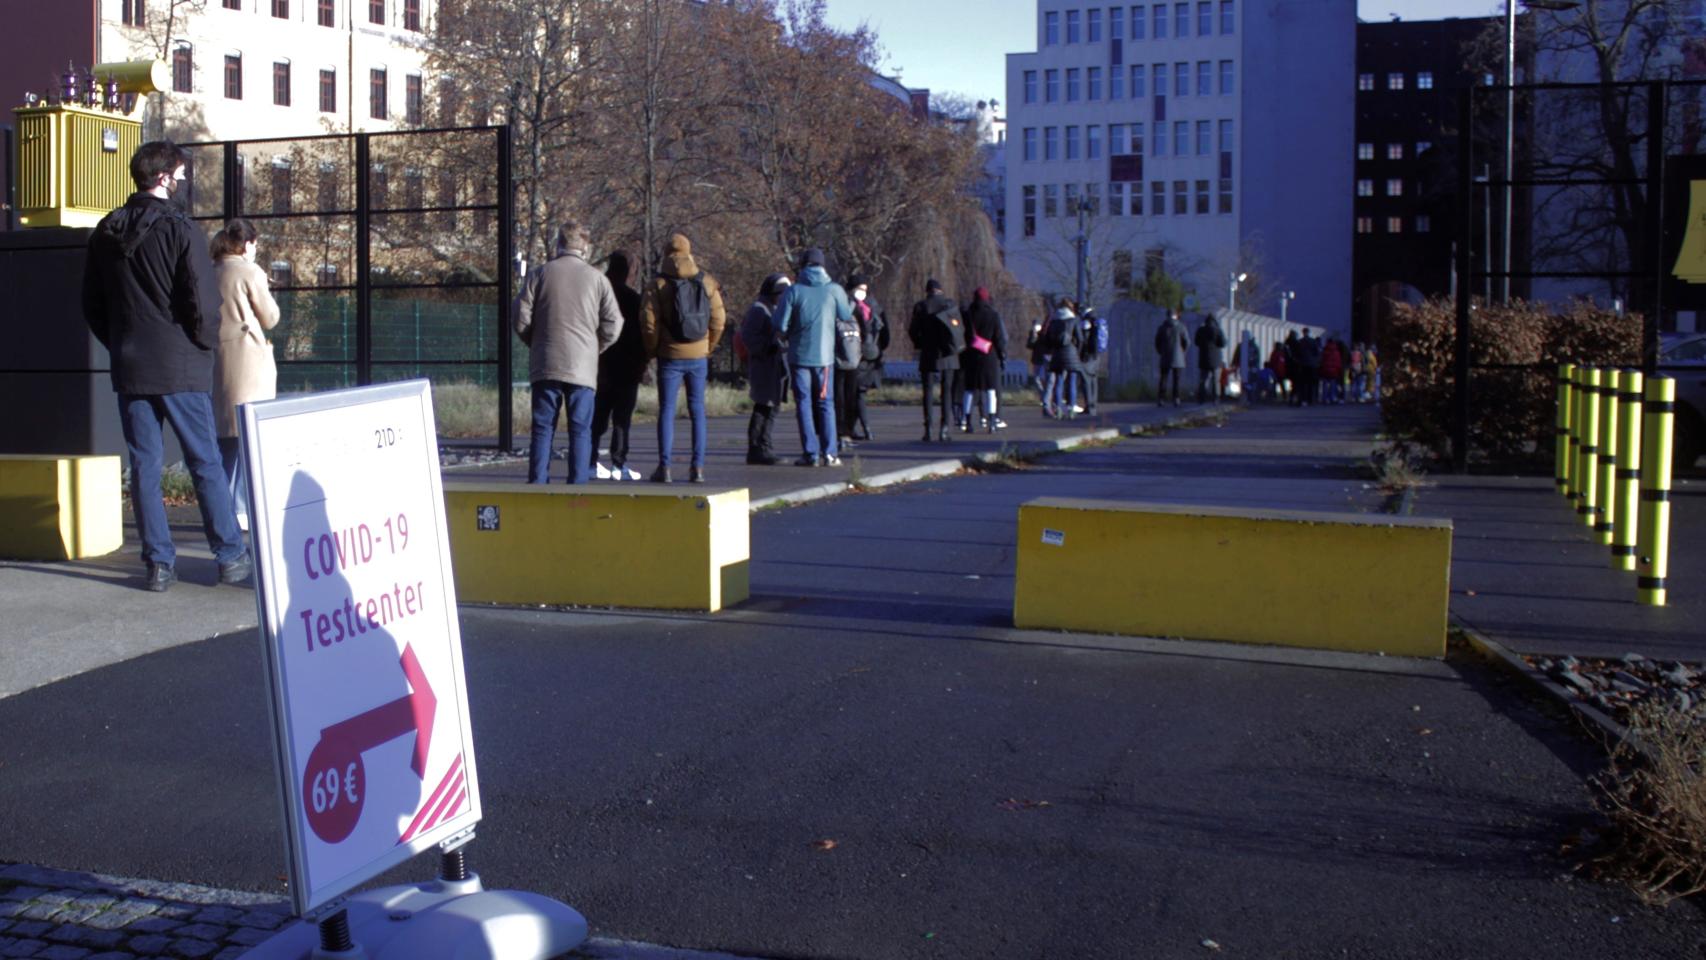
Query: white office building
1208, 138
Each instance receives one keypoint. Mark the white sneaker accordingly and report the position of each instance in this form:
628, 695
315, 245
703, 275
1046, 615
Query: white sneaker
625, 473
1077, 409
603, 472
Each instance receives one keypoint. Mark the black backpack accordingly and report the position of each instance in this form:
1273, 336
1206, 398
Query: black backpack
692, 319
950, 319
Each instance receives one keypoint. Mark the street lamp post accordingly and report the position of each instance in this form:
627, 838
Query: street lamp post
1233, 279
1285, 301
1083, 250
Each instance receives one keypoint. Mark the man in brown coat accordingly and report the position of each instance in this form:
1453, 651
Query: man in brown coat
567, 315
682, 322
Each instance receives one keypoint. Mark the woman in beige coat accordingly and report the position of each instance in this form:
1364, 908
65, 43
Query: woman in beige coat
243, 370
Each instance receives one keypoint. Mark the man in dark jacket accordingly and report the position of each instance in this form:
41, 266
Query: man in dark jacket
1170, 348
150, 297
932, 329
1211, 356
620, 369
1308, 357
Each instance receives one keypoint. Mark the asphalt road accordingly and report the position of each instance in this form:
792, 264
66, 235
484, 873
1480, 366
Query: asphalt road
988, 792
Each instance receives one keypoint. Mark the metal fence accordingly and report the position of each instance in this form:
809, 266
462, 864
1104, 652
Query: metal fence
389, 253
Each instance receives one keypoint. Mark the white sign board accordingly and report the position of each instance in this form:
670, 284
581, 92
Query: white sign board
364, 650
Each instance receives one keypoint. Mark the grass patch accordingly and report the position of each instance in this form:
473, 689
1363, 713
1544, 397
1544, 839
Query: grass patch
1654, 795
469, 410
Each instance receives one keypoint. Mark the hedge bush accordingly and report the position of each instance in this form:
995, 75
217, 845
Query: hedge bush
1511, 410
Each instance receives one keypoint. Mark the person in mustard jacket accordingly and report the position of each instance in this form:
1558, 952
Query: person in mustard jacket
243, 368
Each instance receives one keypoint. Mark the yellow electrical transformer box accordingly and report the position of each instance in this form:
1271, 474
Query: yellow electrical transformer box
73, 164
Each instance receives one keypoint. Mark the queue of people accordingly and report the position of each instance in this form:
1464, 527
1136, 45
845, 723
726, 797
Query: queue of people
1064, 350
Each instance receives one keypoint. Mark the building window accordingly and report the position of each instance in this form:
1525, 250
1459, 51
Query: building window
327, 275
281, 83
1181, 79
1394, 151
1159, 22
1116, 199
1072, 86
1093, 25
1030, 86
1139, 23
1423, 146
1226, 78
1116, 140
412, 15
1425, 80
1365, 151
378, 94
1116, 83
1226, 195
1204, 146
1394, 224
1394, 187
233, 5
1228, 17
1181, 20
1051, 86
1226, 136
326, 190
1137, 84
1137, 139
1093, 199
1181, 198
183, 68
1051, 28
132, 14
1159, 73
1158, 198
233, 76
1160, 140
1070, 209
412, 99
1365, 188
1365, 81
1137, 199
280, 185
1073, 34
1051, 143
1423, 223
1488, 80
1205, 77
1030, 142
281, 9
1116, 23
1093, 142
1202, 198
1093, 83
328, 91
1365, 224
376, 11
1030, 209
379, 188
1181, 138
1072, 143
280, 274
1395, 81
327, 18
1051, 201
1205, 18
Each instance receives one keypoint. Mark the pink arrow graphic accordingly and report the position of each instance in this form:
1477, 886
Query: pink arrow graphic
334, 788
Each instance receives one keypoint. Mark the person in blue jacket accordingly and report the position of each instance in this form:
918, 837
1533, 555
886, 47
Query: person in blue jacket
805, 319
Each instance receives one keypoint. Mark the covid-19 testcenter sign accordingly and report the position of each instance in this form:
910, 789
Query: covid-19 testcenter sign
363, 647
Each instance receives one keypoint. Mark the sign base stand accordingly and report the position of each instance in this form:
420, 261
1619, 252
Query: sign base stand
444, 918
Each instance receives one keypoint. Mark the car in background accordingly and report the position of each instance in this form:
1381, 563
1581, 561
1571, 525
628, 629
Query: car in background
1683, 357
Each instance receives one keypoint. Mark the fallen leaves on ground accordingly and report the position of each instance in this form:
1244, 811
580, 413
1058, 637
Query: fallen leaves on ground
1014, 804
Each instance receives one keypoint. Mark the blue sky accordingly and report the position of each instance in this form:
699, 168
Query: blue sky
961, 45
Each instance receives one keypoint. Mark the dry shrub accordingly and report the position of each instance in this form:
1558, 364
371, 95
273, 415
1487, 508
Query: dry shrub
1656, 801
1511, 409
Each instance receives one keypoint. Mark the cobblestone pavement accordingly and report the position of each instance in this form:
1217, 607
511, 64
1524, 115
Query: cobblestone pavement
60, 915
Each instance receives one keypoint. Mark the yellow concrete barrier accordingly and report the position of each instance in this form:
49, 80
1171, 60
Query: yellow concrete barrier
60, 508
1330, 581
634, 545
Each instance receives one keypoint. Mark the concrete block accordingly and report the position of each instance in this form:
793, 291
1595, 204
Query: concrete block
60, 508
1332, 581
650, 546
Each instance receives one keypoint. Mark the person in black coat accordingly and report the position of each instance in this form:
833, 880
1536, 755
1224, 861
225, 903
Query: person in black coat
938, 334
150, 298
983, 366
1065, 336
873, 343
1211, 356
1171, 345
620, 370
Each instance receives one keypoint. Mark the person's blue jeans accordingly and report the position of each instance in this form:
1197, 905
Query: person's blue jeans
550, 396
671, 375
143, 417
815, 408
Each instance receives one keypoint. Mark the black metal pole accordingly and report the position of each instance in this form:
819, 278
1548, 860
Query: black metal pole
1657, 96
1465, 264
363, 262
453, 866
506, 289
231, 195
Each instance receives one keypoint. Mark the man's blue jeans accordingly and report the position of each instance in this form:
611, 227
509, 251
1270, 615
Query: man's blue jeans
815, 398
143, 417
671, 374
549, 396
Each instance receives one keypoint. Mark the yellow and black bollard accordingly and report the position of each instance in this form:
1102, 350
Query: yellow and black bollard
1653, 548
1587, 458
1561, 430
1605, 520
1628, 497
1572, 490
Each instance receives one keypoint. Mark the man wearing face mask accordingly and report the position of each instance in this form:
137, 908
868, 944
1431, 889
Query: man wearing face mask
150, 297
